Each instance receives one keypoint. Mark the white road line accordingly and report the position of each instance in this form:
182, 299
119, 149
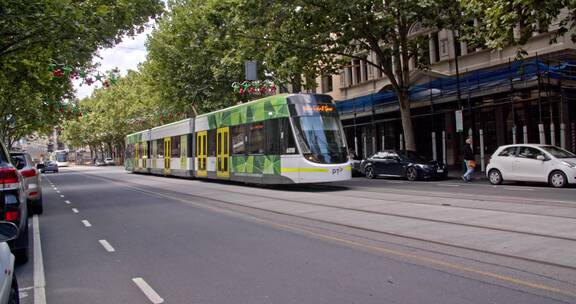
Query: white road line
518, 189
57, 191
448, 185
74, 210
86, 223
67, 202
148, 291
394, 182
61, 195
107, 245
39, 278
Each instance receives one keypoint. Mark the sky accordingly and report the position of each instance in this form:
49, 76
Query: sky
124, 56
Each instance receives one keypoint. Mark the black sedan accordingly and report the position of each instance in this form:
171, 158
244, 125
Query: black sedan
402, 163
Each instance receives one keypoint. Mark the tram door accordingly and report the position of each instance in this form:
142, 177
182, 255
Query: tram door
167, 154
201, 152
136, 155
223, 152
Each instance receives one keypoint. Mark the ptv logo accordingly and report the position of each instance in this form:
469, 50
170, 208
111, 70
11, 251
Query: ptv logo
337, 171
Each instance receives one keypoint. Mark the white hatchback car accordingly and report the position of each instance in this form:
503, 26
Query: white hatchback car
532, 163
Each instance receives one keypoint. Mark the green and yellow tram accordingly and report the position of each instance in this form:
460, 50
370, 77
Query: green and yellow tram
280, 139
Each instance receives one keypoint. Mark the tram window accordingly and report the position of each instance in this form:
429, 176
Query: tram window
257, 138
189, 144
273, 142
175, 149
154, 149
160, 148
287, 137
149, 149
212, 142
238, 139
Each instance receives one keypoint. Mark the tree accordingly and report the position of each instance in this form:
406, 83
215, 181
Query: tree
36, 33
513, 22
331, 30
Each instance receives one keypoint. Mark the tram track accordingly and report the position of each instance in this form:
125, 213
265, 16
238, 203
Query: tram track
184, 196
468, 207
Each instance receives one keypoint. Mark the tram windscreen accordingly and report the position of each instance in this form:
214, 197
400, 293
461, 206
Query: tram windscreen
61, 157
321, 138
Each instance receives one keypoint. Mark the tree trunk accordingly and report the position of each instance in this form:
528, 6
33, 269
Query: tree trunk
407, 128
296, 84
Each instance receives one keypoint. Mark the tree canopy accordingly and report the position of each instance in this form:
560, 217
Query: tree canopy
36, 33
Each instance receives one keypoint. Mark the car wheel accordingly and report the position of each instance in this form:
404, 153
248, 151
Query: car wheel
557, 179
495, 177
14, 297
369, 172
411, 174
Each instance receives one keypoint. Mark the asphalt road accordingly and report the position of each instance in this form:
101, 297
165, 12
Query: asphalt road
112, 237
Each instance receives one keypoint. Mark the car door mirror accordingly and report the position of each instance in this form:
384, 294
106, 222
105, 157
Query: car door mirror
8, 231
541, 157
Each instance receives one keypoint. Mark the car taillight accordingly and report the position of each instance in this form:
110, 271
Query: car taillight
9, 178
11, 216
28, 173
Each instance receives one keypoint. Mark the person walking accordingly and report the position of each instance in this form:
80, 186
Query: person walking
468, 160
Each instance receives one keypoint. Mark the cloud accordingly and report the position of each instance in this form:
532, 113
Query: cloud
125, 56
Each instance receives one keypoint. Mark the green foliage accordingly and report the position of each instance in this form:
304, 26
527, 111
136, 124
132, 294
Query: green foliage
36, 32
114, 112
512, 22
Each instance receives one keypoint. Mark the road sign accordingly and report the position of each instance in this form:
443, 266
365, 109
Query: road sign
459, 121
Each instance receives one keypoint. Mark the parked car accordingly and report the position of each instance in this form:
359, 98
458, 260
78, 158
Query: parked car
99, 163
14, 208
32, 180
109, 161
49, 166
402, 163
8, 284
532, 163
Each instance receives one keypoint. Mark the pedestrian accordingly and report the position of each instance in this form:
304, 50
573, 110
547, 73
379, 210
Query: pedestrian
468, 160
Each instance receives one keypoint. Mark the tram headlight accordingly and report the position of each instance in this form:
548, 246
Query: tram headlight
311, 157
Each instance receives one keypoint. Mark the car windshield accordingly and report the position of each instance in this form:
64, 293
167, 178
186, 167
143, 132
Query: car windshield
321, 136
558, 152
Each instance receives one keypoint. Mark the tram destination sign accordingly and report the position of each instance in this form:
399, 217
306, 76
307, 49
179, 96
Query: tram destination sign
314, 109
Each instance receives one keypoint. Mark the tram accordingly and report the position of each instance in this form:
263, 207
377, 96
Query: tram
61, 157
280, 139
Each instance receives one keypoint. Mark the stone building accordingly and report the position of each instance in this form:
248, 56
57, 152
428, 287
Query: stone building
497, 98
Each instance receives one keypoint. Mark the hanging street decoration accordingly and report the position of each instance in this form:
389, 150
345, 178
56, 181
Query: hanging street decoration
65, 110
256, 87
61, 71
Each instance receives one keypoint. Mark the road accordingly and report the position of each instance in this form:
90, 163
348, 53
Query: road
112, 237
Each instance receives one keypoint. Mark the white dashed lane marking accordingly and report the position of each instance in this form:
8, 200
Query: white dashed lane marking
67, 202
107, 246
148, 291
74, 210
86, 223
61, 195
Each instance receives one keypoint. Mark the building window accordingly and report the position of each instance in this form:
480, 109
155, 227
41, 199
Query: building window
357, 75
435, 53
364, 70
327, 84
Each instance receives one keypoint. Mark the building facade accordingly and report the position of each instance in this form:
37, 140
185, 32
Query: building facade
497, 99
